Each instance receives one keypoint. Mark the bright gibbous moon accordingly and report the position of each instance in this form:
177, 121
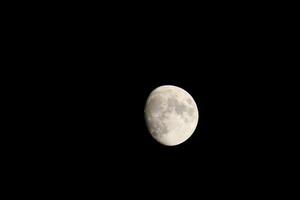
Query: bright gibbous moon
171, 115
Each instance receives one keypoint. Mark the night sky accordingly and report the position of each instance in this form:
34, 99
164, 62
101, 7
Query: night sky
91, 87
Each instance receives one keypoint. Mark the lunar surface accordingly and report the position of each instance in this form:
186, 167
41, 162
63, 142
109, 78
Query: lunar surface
171, 115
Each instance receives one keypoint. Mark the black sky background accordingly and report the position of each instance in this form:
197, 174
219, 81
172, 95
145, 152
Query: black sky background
92, 73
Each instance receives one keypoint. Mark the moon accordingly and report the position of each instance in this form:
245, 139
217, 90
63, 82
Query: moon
171, 115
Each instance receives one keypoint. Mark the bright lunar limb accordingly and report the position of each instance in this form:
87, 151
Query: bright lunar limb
171, 115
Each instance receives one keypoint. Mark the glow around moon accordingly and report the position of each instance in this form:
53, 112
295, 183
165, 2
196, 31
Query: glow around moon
171, 115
